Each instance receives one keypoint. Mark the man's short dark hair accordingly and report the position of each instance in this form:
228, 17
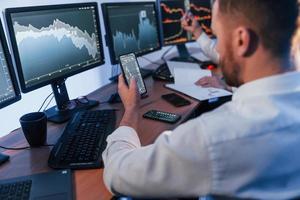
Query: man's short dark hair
273, 20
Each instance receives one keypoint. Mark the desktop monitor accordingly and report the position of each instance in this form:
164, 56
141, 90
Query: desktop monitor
9, 90
171, 13
131, 27
52, 43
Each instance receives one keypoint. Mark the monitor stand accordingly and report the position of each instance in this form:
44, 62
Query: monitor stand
184, 55
66, 108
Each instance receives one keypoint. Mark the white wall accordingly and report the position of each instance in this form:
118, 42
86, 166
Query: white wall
77, 85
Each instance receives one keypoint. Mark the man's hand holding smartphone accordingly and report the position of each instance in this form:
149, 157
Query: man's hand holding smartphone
131, 101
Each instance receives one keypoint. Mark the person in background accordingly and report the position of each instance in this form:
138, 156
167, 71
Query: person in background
248, 147
207, 46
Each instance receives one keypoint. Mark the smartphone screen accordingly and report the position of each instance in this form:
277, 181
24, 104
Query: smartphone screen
131, 69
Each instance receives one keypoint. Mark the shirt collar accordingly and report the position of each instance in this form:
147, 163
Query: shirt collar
276, 84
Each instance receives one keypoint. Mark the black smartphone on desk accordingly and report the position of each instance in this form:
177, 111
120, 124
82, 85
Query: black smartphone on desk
176, 100
131, 69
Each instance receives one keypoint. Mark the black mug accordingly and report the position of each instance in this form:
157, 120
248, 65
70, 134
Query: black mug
34, 126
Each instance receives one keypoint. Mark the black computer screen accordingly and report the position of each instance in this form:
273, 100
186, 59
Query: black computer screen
9, 91
131, 28
53, 42
172, 12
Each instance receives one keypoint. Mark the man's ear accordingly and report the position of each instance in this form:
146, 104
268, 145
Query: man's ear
245, 42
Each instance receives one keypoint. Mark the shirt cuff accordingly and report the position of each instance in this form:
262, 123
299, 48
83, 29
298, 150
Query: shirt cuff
125, 134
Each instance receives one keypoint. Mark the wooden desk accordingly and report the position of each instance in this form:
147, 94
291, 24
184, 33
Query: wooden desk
88, 184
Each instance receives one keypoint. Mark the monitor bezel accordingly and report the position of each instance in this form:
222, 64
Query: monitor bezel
10, 11
11, 70
108, 34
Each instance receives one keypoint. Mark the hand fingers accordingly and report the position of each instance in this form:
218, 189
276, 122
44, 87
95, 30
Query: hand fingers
184, 23
203, 81
121, 82
184, 17
133, 85
121, 79
188, 28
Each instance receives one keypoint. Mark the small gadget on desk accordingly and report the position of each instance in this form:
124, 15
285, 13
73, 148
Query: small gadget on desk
208, 65
115, 98
162, 116
3, 158
163, 73
131, 70
176, 100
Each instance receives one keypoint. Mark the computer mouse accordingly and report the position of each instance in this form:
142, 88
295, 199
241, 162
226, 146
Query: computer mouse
209, 65
115, 98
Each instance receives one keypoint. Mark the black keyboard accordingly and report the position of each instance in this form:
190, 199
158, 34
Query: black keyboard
15, 191
83, 140
163, 73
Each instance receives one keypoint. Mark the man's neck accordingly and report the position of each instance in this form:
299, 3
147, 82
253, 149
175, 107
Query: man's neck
265, 65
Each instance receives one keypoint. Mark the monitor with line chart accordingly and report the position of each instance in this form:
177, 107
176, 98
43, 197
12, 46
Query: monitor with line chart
131, 27
171, 13
9, 89
52, 43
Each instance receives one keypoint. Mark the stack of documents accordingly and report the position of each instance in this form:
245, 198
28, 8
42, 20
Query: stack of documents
186, 75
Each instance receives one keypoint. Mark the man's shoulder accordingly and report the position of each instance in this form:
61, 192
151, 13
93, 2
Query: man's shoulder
226, 123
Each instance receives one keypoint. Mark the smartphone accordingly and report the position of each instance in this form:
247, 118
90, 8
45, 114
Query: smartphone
131, 69
176, 100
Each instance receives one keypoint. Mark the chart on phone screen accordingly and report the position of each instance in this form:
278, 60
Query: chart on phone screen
131, 70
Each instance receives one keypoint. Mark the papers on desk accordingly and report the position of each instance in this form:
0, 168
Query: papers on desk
186, 74
200, 56
199, 93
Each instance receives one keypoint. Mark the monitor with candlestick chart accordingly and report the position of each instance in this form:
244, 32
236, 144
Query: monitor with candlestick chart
173, 10
171, 13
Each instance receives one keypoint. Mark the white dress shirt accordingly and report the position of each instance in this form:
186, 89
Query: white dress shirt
208, 47
248, 147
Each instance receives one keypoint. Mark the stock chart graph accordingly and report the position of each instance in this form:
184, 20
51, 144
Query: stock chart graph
73, 44
201, 9
173, 10
133, 29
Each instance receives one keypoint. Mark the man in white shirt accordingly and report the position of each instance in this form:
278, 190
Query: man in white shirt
207, 45
247, 148
208, 48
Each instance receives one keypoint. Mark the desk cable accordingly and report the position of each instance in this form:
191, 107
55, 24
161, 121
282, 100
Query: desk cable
46, 101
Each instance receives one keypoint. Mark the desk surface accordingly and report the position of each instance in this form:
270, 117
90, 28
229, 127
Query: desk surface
88, 184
